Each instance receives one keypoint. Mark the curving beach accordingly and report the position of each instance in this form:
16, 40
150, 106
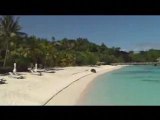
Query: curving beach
64, 87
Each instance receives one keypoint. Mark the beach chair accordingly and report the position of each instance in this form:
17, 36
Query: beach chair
15, 73
16, 76
49, 71
36, 73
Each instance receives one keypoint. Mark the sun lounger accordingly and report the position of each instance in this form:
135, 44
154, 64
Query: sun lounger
49, 71
15, 73
16, 76
36, 73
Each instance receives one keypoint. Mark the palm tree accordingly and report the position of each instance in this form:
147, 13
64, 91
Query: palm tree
9, 27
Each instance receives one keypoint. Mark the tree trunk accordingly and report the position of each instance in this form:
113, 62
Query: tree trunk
5, 58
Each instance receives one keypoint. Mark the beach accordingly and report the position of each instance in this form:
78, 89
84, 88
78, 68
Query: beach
64, 87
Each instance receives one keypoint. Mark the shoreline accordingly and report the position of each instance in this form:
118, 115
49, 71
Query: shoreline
63, 87
90, 84
78, 88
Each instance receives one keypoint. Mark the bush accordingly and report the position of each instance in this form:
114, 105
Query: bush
93, 70
22, 64
4, 70
22, 68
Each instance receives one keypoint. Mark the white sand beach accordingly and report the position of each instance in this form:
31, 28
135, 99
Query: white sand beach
64, 87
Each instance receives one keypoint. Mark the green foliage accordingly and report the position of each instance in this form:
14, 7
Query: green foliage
28, 50
9, 29
86, 58
68, 52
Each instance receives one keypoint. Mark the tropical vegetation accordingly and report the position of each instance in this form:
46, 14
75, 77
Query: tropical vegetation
16, 46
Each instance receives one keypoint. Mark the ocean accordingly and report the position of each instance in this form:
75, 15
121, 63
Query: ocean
130, 85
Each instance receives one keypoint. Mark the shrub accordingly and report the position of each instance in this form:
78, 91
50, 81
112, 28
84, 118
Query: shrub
4, 70
93, 70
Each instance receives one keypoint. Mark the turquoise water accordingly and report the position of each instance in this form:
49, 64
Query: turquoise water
131, 85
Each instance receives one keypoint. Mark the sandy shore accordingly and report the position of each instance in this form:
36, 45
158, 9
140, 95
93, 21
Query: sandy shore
64, 87
72, 94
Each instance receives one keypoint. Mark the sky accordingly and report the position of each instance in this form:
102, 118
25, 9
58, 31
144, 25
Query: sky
127, 32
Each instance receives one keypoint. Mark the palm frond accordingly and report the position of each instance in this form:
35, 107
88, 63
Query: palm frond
9, 25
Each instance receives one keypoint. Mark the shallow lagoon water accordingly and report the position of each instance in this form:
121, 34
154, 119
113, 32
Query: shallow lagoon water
131, 85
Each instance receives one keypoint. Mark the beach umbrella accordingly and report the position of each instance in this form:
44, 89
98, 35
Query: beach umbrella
35, 70
14, 70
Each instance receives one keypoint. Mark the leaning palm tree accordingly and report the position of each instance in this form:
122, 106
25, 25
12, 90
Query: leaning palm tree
9, 27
